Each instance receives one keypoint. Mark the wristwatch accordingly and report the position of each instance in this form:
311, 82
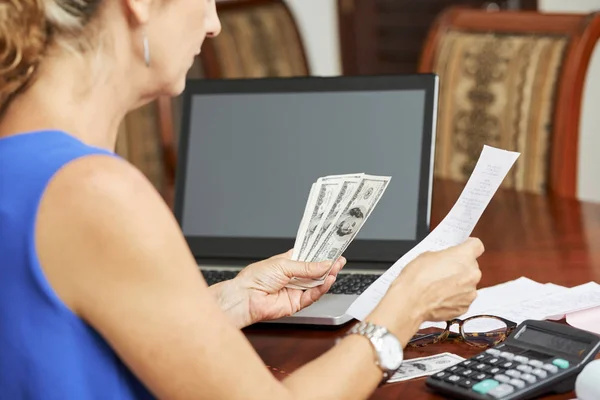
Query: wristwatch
388, 349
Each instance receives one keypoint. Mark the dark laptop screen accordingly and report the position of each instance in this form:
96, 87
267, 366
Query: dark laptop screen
252, 156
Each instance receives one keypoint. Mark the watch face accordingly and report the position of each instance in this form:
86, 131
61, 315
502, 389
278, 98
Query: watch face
391, 353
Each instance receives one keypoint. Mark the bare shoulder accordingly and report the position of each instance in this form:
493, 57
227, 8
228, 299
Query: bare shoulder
99, 184
99, 218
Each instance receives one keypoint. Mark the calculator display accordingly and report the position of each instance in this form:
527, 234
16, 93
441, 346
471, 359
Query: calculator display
553, 341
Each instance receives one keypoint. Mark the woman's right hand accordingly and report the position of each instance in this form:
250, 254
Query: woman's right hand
445, 282
435, 286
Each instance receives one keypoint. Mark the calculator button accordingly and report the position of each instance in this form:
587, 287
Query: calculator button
529, 378
502, 378
550, 368
507, 355
513, 373
519, 384
480, 367
452, 378
560, 363
480, 377
493, 370
485, 386
501, 391
481, 357
521, 359
535, 363
455, 368
508, 364
466, 363
440, 375
466, 383
539, 372
493, 352
494, 361
466, 372
526, 368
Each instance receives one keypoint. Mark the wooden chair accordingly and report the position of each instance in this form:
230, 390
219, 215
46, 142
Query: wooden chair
511, 79
387, 36
259, 38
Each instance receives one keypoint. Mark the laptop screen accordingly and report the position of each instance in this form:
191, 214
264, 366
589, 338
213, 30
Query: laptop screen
252, 148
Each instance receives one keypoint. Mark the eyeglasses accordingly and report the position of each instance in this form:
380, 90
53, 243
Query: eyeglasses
478, 331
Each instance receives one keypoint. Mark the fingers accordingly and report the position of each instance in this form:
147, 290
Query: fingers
302, 269
287, 254
311, 270
337, 267
472, 248
476, 274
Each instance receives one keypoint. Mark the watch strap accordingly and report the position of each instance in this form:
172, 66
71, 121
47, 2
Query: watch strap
372, 332
368, 329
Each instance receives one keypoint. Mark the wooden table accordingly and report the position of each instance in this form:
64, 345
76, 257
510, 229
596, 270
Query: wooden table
546, 239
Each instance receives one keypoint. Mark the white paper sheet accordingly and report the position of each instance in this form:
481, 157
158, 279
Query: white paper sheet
553, 306
508, 294
455, 228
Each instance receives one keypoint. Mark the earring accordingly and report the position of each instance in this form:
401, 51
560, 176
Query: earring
146, 51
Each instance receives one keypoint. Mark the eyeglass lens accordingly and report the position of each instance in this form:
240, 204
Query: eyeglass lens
478, 331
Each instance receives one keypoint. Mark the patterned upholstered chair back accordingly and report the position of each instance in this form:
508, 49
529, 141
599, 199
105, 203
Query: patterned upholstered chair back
512, 80
259, 38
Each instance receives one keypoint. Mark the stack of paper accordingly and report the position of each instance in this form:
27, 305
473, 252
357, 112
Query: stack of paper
524, 299
553, 305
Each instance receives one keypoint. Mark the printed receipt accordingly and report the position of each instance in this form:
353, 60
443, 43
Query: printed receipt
455, 228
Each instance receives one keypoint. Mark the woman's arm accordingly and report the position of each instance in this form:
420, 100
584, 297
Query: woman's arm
233, 301
113, 252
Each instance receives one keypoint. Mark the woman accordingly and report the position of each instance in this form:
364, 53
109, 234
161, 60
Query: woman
100, 297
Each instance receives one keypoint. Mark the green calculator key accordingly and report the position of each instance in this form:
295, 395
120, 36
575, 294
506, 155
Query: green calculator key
485, 386
560, 363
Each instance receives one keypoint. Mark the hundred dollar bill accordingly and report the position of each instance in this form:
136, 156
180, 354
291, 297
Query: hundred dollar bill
348, 186
351, 219
424, 366
303, 222
325, 189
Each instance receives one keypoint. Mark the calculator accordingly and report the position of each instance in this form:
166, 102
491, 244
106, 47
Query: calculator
538, 358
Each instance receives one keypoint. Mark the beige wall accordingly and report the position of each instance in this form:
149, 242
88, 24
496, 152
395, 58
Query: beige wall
317, 20
589, 161
318, 24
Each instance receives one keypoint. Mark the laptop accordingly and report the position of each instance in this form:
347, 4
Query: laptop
251, 148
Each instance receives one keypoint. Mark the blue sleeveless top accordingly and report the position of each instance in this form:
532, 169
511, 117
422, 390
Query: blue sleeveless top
46, 351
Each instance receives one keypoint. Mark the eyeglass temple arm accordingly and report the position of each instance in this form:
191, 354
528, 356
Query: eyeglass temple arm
423, 336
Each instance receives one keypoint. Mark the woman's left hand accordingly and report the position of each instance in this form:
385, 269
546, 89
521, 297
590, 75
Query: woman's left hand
261, 287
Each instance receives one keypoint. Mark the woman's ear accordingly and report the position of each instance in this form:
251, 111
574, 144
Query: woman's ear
138, 10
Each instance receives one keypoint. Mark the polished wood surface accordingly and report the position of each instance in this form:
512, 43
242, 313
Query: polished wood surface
548, 239
583, 31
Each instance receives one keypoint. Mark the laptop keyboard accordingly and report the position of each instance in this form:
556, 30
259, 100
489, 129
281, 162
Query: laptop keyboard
352, 283
213, 276
345, 283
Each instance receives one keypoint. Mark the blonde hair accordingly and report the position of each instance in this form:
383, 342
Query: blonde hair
29, 27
